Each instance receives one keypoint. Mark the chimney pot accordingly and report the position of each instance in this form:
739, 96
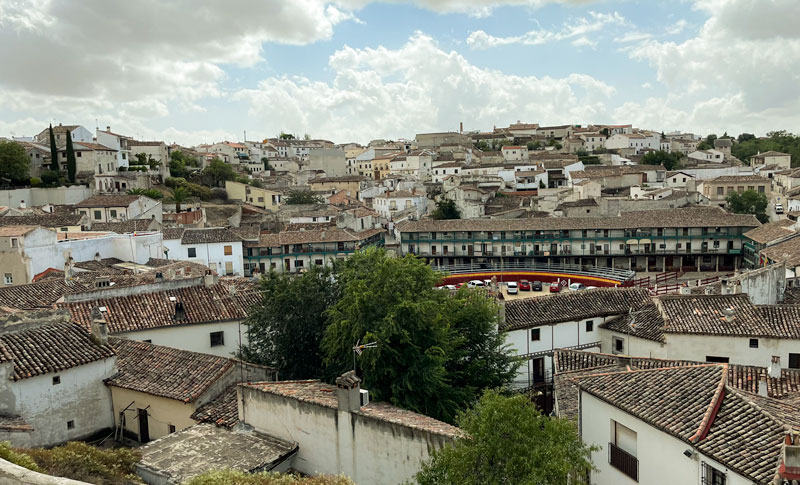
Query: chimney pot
348, 392
180, 313
99, 326
774, 369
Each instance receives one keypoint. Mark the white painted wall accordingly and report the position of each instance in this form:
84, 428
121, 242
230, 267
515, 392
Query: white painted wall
126, 247
330, 441
81, 397
660, 455
210, 254
195, 338
37, 196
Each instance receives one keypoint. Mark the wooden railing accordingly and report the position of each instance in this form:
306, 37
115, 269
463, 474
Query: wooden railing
623, 461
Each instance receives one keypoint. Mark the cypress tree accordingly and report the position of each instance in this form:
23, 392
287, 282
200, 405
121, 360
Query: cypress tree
53, 151
71, 163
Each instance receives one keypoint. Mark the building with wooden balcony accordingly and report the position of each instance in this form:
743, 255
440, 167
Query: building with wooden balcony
296, 251
690, 239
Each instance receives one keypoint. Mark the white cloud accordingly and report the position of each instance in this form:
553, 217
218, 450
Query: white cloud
418, 87
474, 8
677, 27
579, 27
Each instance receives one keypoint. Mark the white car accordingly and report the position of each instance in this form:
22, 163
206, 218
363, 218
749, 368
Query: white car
475, 284
779, 208
450, 287
576, 287
512, 288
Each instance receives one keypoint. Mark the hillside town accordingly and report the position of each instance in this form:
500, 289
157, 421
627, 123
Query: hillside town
648, 280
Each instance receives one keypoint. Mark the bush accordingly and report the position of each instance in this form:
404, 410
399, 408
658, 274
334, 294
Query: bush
50, 177
83, 462
232, 477
17, 458
175, 182
36, 181
220, 194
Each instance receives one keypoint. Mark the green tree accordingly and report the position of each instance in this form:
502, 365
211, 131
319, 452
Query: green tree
670, 161
177, 164
152, 193
265, 161
178, 196
72, 164
14, 163
53, 152
141, 159
296, 197
508, 440
285, 330
422, 361
286, 136
745, 137
748, 202
446, 209
219, 171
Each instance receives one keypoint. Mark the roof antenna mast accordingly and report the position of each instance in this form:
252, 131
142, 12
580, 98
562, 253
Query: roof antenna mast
359, 347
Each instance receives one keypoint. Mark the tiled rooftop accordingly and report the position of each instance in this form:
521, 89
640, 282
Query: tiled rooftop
108, 201
684, 217
166, 371
201, 304
222, 411
772, 231
209, 235
48, 348
646, 322
315, 236
44, 220
785, 252
572, 306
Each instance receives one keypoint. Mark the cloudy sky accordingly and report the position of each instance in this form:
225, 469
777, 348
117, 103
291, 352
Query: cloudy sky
194, 71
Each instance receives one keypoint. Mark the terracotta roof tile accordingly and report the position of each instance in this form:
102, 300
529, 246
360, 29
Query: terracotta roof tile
166, 371
209, 235
222, 411
49, 348
48, 220
108, 201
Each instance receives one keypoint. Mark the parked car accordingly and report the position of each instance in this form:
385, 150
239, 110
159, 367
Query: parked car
450, 287
524, 285
487, 282
591, 287
577, 287
512, 288
537, 286
475, 284
555, 287
779, 208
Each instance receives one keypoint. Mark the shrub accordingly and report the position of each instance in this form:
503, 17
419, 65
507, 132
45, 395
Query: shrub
50, 177
36, 181
220, 194
17, 458
175, 182
232, 477
83, 462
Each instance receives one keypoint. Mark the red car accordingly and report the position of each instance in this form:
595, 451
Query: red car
524, 285
555, 287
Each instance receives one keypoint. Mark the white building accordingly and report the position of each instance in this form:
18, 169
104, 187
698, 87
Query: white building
216, 247
707, 156
515, 153
51, 377
117, 142
118, 208
444, 170
636, 142
391, 202
78, 133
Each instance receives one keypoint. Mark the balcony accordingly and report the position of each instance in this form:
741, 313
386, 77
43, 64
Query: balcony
623, 461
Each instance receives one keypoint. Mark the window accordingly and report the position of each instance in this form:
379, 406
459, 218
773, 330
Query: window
318, 262
171, 428
228, 250
794, 361
760, 189
56, 380
622, 450
192, 252
71, 424
718, 360
113, 213
712, 476
298, 263
8, 279
217, 339
149, 341
618, 345
536, 334
98, 215
14, 242
753, 343
720, 191
589, 325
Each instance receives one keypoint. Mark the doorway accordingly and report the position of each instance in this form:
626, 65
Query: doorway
144, 429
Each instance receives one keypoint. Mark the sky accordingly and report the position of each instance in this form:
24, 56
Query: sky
201, 71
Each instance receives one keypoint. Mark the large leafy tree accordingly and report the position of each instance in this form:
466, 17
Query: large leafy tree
508, 440
430, 345
779, 141
53, 151
14, 164
219, 171
295, 197
670, 161
446, 209
285, 330
72, 164
749, 202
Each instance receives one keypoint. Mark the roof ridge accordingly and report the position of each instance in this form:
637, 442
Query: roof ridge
711, 411
745, 396
629, 370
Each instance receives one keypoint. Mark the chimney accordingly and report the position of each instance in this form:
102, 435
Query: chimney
730, 314
99, 325
762, 387
180, 313
774, 369
97, 256
791, 457
723, 283
348, 392
210, 279
108, 128
22, 204
159, 277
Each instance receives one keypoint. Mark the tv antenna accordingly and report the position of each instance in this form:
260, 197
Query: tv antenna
359, 347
